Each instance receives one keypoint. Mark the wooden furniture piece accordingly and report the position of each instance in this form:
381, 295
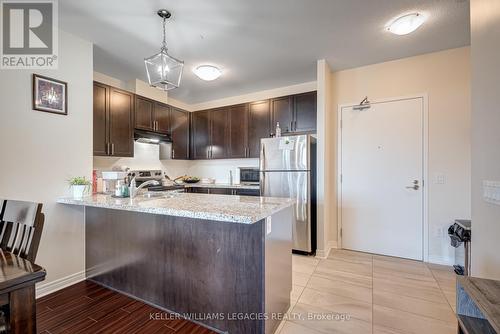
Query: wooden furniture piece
17, 292
113, 121
21, 225
478, 305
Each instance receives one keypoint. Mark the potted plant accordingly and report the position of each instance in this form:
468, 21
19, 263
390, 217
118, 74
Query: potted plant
79, 185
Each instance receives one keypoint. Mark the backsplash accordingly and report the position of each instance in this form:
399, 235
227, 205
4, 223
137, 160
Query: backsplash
146, 157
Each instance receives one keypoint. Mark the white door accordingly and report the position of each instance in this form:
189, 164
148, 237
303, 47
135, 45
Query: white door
381, 178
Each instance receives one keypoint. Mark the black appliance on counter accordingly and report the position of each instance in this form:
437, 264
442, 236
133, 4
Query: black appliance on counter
460, 236
249, 176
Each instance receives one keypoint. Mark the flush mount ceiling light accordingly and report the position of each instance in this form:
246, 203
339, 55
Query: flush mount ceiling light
207, 72
406, 24
163, 70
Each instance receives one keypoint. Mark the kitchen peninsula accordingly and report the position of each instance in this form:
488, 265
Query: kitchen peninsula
225, 259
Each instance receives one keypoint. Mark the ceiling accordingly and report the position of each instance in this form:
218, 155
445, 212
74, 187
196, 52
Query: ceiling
259, 44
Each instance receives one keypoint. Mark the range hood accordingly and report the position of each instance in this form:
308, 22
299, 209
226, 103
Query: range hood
150, 137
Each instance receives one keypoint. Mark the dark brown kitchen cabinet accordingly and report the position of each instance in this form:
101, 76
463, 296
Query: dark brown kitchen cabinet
258, 126
113, 121
121, 122
161, 122
144, 109
151, 115
304, 112
200, 135
101, 100
238, 131
218, 133
179, 128
282, 112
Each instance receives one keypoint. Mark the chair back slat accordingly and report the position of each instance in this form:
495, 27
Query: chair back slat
21, 229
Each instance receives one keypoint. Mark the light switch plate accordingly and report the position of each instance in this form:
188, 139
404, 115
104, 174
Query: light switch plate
268, 225
491, 192
439, 178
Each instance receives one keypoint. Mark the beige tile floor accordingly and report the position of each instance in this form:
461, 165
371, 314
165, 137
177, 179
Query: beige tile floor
374, 294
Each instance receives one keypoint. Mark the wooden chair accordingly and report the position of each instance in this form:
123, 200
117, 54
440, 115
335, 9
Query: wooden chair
21, 225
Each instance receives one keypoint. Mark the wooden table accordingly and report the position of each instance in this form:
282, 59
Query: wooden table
478, 305
17, 292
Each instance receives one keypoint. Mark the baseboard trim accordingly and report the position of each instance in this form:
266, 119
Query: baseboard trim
323, 253
446, 261
50, 287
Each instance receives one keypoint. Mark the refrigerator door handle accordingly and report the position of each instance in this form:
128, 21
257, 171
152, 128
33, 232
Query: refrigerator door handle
262, 184
262, 157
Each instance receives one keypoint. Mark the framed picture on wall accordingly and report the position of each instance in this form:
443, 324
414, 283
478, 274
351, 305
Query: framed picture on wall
50, 95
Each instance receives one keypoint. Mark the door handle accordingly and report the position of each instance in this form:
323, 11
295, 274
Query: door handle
262, 183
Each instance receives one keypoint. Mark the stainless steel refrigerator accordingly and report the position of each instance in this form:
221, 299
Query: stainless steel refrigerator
288, 169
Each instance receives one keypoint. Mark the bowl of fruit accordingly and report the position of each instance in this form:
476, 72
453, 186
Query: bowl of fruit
189, 179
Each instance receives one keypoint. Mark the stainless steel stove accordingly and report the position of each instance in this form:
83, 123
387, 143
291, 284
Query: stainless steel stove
142, 176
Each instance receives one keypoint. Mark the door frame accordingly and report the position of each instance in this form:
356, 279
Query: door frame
425, 166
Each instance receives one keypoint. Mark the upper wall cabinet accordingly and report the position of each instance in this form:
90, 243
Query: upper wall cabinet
200, 135
258, 126
179, 129
237, 131
304, 112
113, 121
282, 112
151, 115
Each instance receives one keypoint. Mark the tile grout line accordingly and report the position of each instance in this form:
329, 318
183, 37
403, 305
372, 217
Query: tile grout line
442, 292
373, 327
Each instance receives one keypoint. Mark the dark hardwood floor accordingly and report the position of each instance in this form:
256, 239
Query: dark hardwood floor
87, 307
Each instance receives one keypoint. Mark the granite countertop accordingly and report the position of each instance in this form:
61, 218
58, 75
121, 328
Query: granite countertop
227, 208
221, 185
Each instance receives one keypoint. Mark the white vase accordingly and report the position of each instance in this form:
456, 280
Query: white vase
78, 190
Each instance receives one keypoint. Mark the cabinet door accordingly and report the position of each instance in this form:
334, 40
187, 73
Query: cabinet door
162, 118
143, 113
238, 131
220, 191
247, 192
258, 126
305, 112
101, 96
218, 133
121, 120
282, 112
200, 134
179, 128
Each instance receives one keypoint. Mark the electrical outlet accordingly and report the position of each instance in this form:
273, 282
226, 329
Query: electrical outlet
268, 225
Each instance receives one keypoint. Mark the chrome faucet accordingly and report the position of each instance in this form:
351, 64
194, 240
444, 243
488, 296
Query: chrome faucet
133, 189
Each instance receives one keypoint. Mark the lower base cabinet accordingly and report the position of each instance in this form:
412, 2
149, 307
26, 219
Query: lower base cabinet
224, 191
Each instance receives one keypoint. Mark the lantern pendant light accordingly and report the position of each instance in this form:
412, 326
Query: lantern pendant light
163, 70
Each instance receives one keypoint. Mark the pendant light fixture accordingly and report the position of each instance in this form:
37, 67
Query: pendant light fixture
164, 71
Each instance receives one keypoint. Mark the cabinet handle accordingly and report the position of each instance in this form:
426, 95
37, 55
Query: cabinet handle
112, 148
208, 153
107, 149
173, 154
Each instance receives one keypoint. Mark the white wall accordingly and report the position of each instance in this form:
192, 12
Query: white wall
39, 151
485, 28
445, 77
